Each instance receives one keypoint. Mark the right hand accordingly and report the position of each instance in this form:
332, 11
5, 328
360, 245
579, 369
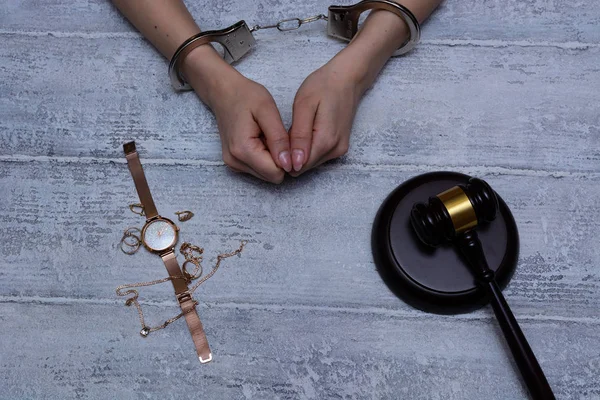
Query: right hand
253, 137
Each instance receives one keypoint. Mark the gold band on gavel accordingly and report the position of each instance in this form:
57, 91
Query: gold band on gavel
460, 209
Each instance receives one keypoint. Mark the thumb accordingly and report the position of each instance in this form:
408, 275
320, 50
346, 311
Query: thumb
301, 132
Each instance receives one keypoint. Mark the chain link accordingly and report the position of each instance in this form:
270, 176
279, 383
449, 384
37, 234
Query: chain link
290, 24
192, 254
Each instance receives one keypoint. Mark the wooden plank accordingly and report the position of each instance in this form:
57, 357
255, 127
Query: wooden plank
309, 239
86, 350
518, 108
505, 90
512, 20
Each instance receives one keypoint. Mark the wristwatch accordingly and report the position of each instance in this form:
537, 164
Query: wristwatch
159, 236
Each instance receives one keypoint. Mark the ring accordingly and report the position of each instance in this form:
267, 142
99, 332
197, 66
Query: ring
197, 270
131, 233
130, 252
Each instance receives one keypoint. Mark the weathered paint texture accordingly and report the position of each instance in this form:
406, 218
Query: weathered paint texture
505, 90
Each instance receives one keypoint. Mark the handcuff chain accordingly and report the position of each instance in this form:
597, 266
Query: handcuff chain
284, 25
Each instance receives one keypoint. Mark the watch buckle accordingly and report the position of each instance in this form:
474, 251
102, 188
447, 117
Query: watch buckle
183, 297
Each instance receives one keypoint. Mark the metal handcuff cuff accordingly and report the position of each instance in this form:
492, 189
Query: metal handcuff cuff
342, 23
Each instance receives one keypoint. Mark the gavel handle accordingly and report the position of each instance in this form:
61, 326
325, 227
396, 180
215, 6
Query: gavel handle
528, 365
530, 369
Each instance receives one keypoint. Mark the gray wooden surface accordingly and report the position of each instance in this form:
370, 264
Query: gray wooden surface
505, 90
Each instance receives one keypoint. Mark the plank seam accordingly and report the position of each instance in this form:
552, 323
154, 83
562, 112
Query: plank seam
508, 43
473, 169
78, 35
573, 45
477, 315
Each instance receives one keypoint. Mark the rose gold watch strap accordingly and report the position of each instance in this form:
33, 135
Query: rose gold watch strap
188, 307
141, 184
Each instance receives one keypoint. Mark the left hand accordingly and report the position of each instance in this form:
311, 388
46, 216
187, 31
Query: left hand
327, 100
323, 113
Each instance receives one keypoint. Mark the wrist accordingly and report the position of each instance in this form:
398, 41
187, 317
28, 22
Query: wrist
382, 33
380, 36
205, 70
350, 66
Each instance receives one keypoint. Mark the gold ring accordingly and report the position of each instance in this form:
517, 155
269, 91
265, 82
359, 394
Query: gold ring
197, 270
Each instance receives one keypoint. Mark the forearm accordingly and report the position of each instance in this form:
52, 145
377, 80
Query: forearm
421, 9
385, 32
165, 23
381, 34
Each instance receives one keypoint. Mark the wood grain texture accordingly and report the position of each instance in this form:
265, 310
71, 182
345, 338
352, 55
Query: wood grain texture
438, 106
543, 21
505, 90
309, 238
87, 350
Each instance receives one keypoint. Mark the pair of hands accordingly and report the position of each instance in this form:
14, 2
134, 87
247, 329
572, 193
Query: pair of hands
254, 139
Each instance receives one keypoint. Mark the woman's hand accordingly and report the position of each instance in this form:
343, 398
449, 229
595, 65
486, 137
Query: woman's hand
323, 112
252, 134
253, 137
326, 102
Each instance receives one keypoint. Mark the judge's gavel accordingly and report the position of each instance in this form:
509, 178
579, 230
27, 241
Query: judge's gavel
452, 217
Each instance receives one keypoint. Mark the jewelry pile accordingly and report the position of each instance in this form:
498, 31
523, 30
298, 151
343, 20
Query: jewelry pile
131, 242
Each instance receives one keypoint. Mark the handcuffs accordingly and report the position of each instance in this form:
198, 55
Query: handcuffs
342, 23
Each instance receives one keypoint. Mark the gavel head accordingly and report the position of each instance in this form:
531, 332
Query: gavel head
457, 210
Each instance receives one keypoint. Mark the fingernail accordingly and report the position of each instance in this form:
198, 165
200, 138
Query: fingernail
285, 160
298, 158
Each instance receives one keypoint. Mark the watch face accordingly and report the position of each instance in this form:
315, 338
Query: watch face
160, 235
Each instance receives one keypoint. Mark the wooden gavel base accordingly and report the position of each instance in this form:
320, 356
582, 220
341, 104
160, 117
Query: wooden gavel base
437, 280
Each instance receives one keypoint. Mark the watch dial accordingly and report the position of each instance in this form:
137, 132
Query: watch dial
159, 235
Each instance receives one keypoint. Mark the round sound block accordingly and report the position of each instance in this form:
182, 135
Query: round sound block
437, 279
